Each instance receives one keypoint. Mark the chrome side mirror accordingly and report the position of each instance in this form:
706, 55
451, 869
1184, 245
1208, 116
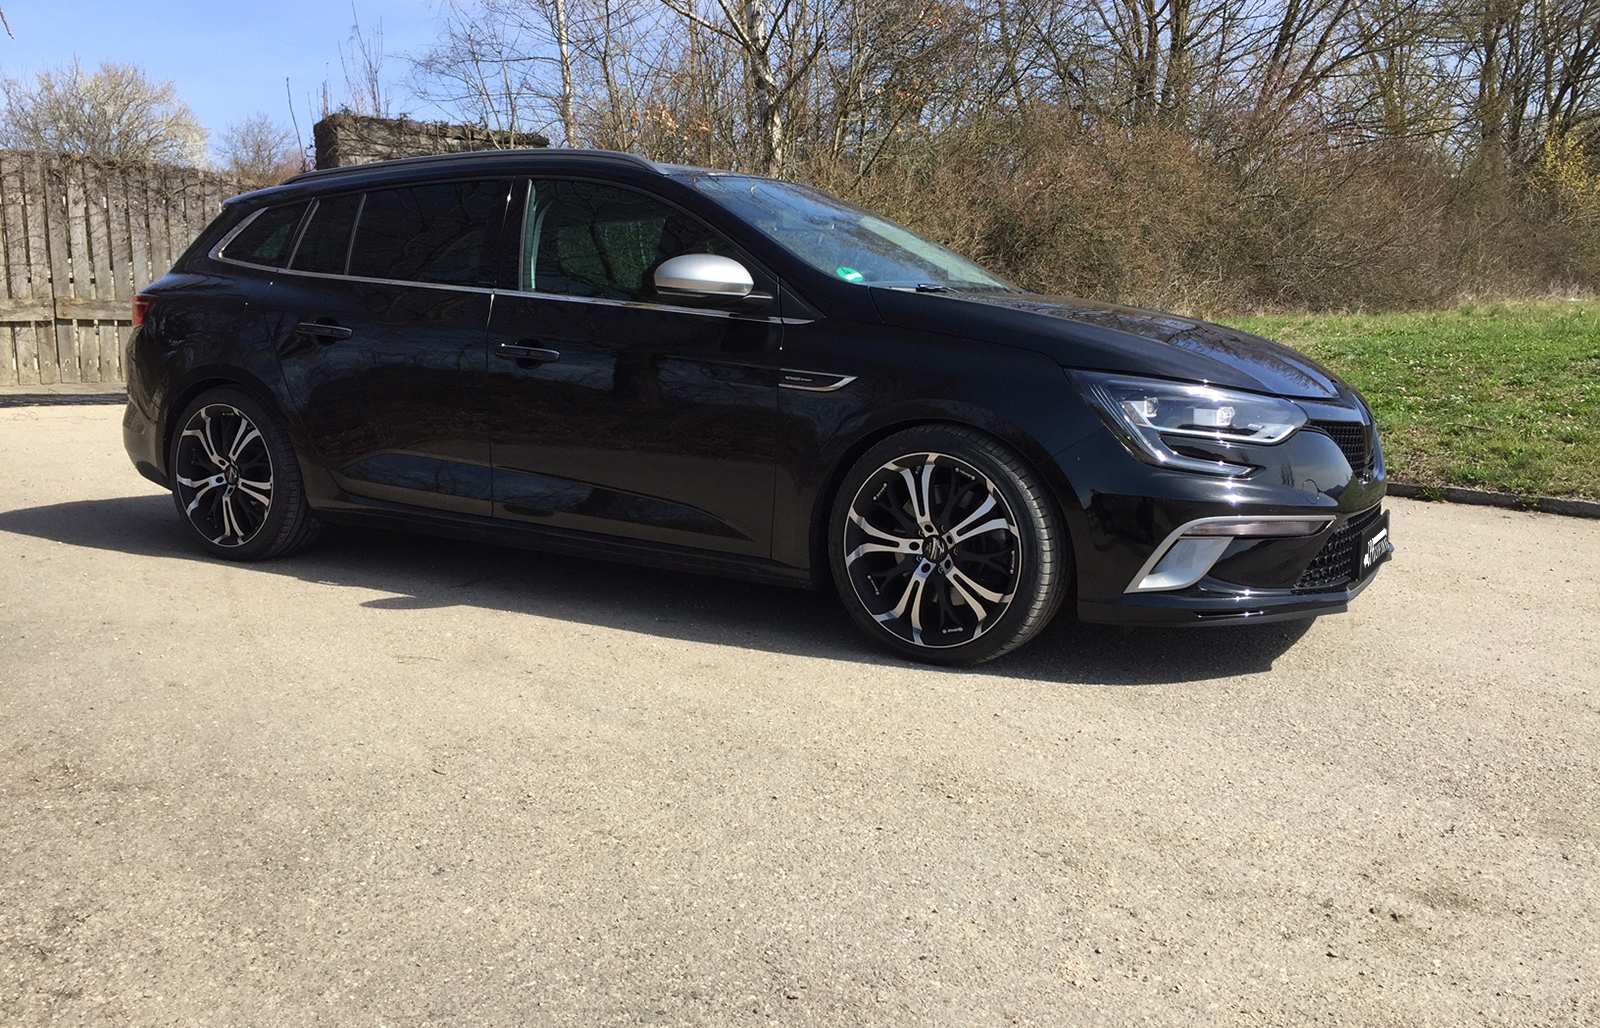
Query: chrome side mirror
704, 275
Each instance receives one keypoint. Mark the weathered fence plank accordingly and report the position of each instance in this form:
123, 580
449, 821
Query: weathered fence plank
137, 186
160, 209
121, 249
82, 267
78, 237
24, 279
105, 287
35, 211
13, 250
57, 223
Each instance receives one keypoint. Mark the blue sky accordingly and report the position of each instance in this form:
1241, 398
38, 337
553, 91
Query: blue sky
228, 60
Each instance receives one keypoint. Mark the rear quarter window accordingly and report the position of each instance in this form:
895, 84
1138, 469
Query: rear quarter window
267, 237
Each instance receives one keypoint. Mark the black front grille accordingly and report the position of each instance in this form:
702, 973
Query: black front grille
1353, 439
1336, 563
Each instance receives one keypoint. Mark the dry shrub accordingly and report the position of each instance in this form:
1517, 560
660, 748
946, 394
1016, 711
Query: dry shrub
1150, 217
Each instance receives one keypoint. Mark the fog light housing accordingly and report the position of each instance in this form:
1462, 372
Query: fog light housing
1186, 555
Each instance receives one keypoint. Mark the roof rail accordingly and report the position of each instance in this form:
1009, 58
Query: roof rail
470, 155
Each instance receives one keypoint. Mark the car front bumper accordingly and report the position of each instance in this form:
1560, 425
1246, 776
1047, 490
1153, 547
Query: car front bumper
1155, 546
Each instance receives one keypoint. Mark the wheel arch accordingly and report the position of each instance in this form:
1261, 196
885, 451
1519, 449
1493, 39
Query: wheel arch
203, 380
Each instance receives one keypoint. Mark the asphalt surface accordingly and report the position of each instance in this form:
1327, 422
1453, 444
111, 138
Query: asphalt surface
400, 781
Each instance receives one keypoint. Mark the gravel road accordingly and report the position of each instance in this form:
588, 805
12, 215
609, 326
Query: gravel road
399, 781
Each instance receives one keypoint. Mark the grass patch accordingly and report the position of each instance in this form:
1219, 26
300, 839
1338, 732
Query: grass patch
1499, 396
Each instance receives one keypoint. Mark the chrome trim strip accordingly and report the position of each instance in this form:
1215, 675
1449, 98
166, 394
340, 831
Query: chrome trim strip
534, 294
1233, 519
359, 278
842, 380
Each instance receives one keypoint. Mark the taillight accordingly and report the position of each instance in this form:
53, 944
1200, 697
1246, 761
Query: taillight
141, 307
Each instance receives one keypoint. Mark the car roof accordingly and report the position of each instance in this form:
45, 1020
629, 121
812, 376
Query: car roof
508, 161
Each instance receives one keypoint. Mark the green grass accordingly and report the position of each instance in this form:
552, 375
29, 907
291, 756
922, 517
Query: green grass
1502, 396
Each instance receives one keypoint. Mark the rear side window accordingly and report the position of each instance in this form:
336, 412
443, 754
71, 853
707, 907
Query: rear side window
325, 243
428, 233
266, 240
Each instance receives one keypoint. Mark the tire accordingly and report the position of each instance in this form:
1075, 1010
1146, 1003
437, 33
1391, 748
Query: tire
235, 479
945, 546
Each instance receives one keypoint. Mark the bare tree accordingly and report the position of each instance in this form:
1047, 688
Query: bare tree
779, 44
116, 112
365, 89
260, 152
1528, 73
489, 67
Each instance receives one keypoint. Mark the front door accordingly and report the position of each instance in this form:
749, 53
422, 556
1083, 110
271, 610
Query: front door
614, 410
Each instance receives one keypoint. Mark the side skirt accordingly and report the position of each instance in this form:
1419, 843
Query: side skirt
403, 518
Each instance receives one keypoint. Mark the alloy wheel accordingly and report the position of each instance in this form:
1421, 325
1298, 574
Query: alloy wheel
932, 550
223, 472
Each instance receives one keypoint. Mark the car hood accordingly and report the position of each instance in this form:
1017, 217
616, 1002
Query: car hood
1107, 337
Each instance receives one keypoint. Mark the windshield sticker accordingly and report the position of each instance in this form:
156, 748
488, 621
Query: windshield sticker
850, 275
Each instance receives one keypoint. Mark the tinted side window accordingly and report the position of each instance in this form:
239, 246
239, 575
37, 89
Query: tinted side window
430, 233
266, 239
588, 239
326, 240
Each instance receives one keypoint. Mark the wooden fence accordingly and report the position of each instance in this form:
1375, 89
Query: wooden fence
78, 237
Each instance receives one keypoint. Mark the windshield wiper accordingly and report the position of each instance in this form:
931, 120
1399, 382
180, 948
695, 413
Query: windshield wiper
931, 287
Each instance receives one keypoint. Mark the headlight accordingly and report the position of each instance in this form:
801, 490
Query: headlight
1155, 417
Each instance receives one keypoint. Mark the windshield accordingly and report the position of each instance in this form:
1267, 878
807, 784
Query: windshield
838, 239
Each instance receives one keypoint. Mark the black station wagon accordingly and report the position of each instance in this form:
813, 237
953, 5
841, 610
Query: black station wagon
704, 370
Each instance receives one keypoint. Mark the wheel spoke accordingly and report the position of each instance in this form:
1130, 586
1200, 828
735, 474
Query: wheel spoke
954, 499
961, 591
954, 535
205, 442
210, 443
876, 532
201, 488
997, 525
247, 434
228, 527
265, 499
921, 580
918, 486
911, 602
965, 584
866, 548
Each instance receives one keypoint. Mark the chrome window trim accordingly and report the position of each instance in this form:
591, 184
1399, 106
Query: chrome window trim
215, 253
359, 278
640, 305
1188, 526
644, 305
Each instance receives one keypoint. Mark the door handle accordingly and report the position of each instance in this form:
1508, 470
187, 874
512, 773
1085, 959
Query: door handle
526, 356
325, 333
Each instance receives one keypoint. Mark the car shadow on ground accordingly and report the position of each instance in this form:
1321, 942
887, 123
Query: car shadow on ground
422, 572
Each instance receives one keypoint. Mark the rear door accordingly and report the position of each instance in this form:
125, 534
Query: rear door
381, 337
646, 418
